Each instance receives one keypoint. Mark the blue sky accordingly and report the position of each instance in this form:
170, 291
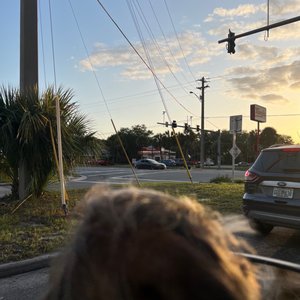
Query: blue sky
263, 72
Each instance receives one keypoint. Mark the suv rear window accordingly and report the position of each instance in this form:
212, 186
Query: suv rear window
278, 161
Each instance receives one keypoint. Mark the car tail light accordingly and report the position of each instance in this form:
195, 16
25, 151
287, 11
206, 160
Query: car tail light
291, 150
250, 176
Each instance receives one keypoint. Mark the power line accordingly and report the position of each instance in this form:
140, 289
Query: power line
183, 55
166, 41
248, 116
160, 52
139, 55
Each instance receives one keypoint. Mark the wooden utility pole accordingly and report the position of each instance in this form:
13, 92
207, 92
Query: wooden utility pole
202, 140
28, 70
28, 45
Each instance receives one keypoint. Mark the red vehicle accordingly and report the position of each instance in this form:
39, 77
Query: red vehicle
103, 162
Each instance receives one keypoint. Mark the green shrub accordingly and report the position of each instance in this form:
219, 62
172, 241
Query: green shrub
221, 179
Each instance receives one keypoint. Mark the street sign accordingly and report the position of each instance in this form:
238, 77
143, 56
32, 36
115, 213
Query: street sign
236, 123
235, 151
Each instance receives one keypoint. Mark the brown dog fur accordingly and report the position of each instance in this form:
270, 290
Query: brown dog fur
141, 244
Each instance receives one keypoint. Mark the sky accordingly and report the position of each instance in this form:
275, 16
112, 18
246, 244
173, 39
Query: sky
177, 44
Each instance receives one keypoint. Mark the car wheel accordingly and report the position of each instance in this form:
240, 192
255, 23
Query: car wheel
260, 227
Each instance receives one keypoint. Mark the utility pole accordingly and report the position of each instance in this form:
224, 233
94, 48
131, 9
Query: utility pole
202, 130
28, 69
28, 45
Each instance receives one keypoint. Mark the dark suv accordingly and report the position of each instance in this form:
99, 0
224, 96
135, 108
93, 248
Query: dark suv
272, 189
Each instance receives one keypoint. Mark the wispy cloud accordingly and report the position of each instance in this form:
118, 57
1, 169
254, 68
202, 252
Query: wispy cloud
268, 84
195, 48
281, 7
245, 10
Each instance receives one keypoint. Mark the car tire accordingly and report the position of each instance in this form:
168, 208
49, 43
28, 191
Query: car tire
262, 228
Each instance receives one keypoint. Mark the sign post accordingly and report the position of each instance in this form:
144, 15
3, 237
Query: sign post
258, 113
235, 126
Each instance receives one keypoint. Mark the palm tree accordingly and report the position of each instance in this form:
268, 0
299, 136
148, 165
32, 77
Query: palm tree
28, 134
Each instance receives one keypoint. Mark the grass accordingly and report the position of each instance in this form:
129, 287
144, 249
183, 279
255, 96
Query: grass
39, 225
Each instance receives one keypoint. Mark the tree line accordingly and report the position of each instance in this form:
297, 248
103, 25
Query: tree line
139, 136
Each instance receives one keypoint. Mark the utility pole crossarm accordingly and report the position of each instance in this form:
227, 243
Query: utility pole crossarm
268, 27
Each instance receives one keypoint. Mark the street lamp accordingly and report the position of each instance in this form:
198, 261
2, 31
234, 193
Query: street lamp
200, 98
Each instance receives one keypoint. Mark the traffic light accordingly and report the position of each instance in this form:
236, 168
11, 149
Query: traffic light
231, 43
198, 128
167, 124
174, 124
186, 127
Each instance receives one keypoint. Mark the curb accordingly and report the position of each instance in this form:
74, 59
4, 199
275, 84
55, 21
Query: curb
27, 265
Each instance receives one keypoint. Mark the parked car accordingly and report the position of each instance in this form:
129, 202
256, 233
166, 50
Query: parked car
209, 162
148, 163
272, 189
243, 164
103, 162
206, 163
180, 163
168, 162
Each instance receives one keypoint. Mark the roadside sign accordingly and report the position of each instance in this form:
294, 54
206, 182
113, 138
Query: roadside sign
258, 113
235, 151
236, 123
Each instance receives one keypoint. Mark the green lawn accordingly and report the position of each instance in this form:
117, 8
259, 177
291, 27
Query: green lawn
39, 225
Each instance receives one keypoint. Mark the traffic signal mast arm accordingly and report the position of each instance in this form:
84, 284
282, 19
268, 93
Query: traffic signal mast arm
184, 126
174, 125
268, 27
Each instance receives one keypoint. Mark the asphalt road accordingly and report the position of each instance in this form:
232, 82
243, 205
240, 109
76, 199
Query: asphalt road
27, 286
281, 243
88, 176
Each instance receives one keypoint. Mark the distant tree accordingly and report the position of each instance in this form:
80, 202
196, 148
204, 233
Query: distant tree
268, 137
226, 144
133, 139
285, 139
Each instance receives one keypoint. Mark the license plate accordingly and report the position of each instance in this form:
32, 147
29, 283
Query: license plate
283, 193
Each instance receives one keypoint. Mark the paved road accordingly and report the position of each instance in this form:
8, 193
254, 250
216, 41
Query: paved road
281, 243
88, 176
4, 190
27, 286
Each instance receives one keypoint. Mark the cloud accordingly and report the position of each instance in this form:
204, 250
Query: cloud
295, 85
244, 10
266, 56
251, 51
195, 48
280, 7
274, 98
245, 70
284, 33
266, 84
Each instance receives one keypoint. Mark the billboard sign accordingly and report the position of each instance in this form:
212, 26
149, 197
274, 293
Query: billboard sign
258, 113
